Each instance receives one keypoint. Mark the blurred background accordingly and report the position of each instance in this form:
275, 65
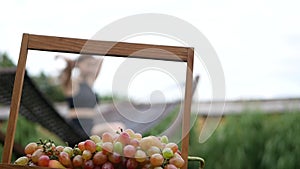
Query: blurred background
257, 43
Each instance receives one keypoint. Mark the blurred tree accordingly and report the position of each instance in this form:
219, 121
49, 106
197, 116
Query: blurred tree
5, 61
51, 90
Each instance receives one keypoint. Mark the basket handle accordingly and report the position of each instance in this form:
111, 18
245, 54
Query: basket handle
199, 159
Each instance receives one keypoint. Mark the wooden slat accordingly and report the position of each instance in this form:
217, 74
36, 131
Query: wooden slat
187, 107
15, 102
11, 166
107, 48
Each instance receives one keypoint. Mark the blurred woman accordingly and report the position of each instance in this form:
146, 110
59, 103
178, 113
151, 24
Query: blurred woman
78, 91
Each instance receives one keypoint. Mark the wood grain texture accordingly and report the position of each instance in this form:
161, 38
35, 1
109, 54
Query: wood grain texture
11, 166
187, 107
107, 48
15, 102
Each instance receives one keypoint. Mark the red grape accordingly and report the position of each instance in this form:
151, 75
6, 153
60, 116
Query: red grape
43, 161
36, 155
114, 158
107, 165
77, 161
81, 146
131, 163
90, 145
64, 158
88, 164
99, 158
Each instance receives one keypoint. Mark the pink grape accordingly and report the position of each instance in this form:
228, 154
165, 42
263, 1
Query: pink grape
129, 151
107, 137
124, 138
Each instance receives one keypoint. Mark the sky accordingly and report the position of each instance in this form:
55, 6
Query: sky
257, 41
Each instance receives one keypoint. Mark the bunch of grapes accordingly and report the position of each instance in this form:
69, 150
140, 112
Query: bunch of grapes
121, 150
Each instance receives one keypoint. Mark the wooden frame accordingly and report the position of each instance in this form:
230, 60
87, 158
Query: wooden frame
119, 49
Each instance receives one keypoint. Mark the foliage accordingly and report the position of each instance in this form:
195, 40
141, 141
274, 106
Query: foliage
28, 131
51, 90
252, 141
5, 61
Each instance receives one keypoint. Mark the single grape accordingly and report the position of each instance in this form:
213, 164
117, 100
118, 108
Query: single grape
99, 146
138, 136
124, 138
156, 160
64, 158
77, 151
140, 156
88, 164
81, 146
77, 161
90, 145
22, 161
43, 161
107, 165
167, 153
164, 139
177, 160
86, 155
69, 150
99, 158
107, 137
115, 158
59, 148
118, 147
30, 148
129, 151
131, 163
95, 139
